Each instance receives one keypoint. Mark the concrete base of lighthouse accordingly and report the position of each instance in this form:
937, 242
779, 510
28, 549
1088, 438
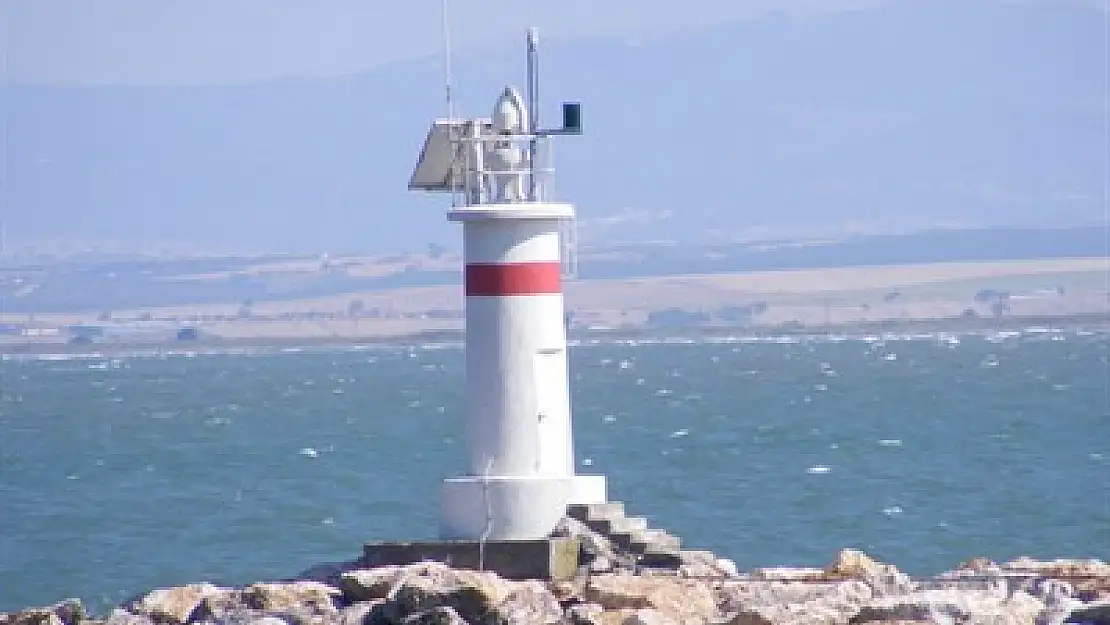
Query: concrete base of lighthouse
545, 559
519, 514
512, 507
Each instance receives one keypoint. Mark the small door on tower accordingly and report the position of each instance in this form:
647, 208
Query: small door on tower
550, 379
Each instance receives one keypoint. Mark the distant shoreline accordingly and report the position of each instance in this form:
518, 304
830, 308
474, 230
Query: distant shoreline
1093, 322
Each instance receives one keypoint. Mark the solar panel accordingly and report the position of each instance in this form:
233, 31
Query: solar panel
441, 163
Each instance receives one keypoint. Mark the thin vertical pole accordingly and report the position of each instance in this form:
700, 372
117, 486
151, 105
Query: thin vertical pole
533, 110
452, 135
447, 63
5, 19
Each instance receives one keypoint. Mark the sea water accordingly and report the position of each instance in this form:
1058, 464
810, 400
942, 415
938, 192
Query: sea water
121, 473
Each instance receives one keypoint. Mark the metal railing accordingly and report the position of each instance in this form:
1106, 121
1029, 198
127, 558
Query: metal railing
485, 174
477, 182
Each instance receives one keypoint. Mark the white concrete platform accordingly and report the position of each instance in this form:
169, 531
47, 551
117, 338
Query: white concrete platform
512, 507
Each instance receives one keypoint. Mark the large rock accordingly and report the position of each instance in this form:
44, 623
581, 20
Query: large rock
777, 615
593, 614
584, 614
647, 616
369, 584
978, 563
530, 602
175, 606
790, 574
419, 593
677, 599
1051, 580
1090, 579
953, 606
30, 616
1095, 614
756, 602
1063, 568
357, 613
313, 597
443, 615
69, 612
119, 616
295, 603
705, 565
852, 564
224, 607
474, 595
884, 579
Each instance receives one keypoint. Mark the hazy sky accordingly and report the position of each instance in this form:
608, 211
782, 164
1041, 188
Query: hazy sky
893, 114
197, 42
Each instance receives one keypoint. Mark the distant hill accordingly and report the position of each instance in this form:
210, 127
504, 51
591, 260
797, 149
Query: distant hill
914, 115
116, 284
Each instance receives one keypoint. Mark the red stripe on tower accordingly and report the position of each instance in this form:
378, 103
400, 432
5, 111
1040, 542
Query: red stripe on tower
497, 280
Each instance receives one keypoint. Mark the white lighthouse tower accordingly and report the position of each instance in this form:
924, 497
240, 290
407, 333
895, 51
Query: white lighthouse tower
520, 475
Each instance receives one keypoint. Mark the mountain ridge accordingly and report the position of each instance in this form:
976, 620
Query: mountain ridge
912, 115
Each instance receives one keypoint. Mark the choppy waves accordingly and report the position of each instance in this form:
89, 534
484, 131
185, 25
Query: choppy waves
123, 471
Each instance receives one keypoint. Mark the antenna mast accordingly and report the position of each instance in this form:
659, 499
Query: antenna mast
533, 95
447, 63
5, 108
449, 96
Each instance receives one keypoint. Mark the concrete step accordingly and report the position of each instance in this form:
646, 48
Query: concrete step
652, 547
652, 541
627, 524
617, 525
626, 533
690, 556
656, 541
596, 511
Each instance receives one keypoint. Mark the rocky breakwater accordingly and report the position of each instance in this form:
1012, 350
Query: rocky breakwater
853, 589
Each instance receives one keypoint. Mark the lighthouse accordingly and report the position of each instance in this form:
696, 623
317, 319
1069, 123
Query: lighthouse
518, 476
